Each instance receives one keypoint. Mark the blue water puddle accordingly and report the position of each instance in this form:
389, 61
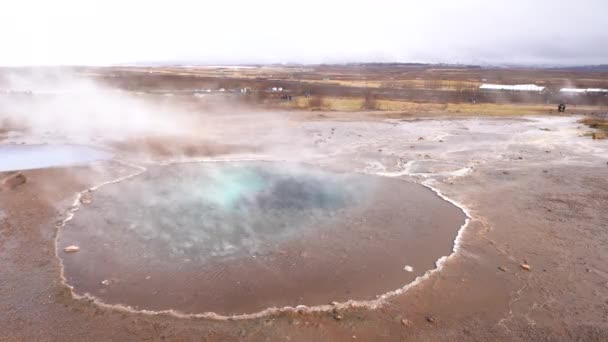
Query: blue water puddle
28, 157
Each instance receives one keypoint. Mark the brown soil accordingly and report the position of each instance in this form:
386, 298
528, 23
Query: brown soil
167, 146
545, 209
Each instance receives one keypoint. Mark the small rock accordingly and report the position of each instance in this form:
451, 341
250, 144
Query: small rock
71, 249
599, 135
431, 319
408, 268
420, 138
86, 198
502, 268
406, 322
336, 314
14, 180
105, 282
525, 267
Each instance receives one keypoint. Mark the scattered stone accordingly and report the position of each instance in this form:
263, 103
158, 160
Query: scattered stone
14, 180
431, 319
408, 268
525, 267
502, 268
148, 277
336, 314
545, 171
406, 322
86, 198
440, 140
420, 138
599, 135
71, 249
105, 282
545, 129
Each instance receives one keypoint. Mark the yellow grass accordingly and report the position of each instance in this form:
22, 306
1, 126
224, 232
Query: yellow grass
466, 109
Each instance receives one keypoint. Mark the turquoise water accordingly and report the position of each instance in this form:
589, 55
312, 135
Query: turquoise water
217, 210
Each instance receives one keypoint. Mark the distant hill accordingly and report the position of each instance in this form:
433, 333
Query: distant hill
592, 68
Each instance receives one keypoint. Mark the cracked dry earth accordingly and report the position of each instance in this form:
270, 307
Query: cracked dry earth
536, 190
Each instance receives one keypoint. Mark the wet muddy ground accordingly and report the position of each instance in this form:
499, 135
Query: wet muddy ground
536, 191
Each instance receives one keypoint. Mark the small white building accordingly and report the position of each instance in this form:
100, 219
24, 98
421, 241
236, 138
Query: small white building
512, 87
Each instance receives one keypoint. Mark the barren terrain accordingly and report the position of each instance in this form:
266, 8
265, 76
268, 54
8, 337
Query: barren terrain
531, 264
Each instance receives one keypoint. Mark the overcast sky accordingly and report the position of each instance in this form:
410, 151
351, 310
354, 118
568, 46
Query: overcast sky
313, 31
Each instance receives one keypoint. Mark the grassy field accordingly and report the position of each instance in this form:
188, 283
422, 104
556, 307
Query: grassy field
600, 124
466, 109
402, 88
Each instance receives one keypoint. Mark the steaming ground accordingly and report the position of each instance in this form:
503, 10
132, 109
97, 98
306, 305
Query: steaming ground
535, 190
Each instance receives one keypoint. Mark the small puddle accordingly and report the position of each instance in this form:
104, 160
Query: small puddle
28, 157
234, 238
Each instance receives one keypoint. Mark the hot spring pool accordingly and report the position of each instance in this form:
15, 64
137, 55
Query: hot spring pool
236, 238
27, 157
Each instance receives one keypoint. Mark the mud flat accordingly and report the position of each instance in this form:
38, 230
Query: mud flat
237, 238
